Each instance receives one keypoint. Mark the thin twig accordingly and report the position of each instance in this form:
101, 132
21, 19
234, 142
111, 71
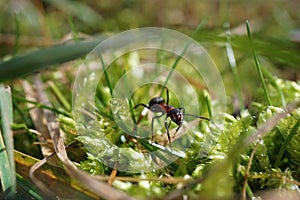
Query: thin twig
243, 197
169, 180
113, 173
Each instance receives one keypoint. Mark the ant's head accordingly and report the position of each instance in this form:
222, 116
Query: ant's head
176, 116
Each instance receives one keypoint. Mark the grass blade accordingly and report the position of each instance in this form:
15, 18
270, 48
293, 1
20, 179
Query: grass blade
60, 96
286, 142
273, 82
129, 99
106, 74
28, 189
258, 65
200, 26
25, 64
74, 31
40, 105
6, 112
233, 66
4, 167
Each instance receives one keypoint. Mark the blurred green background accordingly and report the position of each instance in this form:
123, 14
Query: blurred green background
40, 23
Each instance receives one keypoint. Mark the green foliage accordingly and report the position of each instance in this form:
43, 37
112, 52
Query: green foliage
92, 166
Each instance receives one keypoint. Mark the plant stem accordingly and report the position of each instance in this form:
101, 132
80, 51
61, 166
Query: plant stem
59, 95
106, 74
233, 66
129, 98
258, 65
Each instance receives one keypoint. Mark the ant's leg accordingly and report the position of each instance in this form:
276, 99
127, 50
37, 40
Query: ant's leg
141, 104
177, 129
152, 123
167, 90
141, 116
167, 129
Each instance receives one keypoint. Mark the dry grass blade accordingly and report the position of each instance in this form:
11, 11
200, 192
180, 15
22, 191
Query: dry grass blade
56, 185
38, 118
42, 186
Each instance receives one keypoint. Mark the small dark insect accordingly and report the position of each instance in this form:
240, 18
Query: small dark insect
159, 105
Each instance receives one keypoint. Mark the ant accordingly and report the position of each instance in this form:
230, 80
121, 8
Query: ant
159, 105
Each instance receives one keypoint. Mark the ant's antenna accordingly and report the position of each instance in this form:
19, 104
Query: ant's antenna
200, 117
197, 116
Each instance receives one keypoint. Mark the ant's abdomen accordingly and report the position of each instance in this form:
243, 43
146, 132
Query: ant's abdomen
156, 100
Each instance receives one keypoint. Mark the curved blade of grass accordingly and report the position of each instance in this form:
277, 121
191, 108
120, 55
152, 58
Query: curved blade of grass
258, 65
56, 178
36, 60
8, 172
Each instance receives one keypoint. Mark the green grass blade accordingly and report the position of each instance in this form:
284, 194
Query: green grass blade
286, 142
258, 65
129, 99
233, 66
39, 105
4, 167
60, 96
6, 113
207, 101
274, 83
28, 188
200, 26
36, 60
106, 74
74, 31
